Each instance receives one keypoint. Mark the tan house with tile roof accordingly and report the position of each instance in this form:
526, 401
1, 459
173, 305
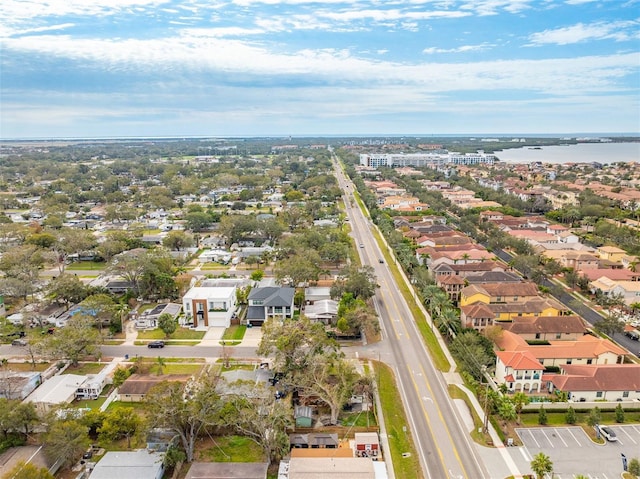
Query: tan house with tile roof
546, 328
586, 350
611, 382
478, 316
612, 253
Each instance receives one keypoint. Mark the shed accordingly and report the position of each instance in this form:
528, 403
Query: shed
299, 441
303, 416
323, 440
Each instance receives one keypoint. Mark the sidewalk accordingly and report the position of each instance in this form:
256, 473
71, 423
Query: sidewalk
500, 464
212, 337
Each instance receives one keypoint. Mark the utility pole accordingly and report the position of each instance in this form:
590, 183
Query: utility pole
485, 425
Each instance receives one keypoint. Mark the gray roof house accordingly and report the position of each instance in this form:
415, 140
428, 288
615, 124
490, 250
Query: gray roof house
269, 302
140, 464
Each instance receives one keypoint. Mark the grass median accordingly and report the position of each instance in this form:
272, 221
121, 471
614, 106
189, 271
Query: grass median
402, 450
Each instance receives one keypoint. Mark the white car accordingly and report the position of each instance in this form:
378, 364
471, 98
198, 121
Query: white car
607, 433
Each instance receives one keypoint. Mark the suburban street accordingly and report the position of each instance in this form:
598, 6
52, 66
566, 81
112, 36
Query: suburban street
440, 438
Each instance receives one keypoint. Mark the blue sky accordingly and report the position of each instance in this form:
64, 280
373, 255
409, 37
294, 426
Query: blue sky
107, 68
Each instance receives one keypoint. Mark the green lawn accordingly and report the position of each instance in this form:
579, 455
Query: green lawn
213, 266
231, 449
398, 432
173, 368
85, 368
234, 333
90, 403
359, 419
180, 333
85, 266
26, 366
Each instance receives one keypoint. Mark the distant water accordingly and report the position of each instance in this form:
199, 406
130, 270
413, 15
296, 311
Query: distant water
580, 153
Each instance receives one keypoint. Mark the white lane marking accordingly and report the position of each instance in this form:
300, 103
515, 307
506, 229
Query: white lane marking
557, 434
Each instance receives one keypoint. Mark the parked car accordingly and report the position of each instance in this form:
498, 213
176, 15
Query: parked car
87, 455
607, 433
156, 344
19, 342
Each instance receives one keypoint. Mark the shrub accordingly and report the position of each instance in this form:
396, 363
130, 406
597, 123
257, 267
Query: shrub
542, 416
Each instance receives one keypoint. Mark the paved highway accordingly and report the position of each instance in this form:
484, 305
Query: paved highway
441, 440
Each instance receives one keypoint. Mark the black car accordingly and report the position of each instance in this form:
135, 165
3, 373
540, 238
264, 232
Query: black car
156, 344
87, 455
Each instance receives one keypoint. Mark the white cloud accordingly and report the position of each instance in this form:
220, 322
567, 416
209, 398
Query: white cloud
461, 49
580, 32
197, 51
20, 10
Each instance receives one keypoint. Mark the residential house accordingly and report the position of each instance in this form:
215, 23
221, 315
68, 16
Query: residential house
215, 255
534, 237
477, 316
316, 293
493, 277
585, 350
93, 385
452, 285
227, 470
18, 384
498, 293
629, 291
478, 255
532, 307
149, 318
466, 269
611, 382
324, 311
56, 391
140, 464
137, 386
331, 467
209, 307
269, 302
612, 274
519, 371
580, 261
545, 328
611, 253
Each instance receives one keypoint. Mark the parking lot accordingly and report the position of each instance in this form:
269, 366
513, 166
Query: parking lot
573, 452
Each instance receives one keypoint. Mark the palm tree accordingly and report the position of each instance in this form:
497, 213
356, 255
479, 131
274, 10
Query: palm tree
122, 310
449, 321
541, 465
519, 401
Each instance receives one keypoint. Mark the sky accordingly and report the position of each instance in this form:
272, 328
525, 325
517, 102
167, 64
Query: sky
216, 68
